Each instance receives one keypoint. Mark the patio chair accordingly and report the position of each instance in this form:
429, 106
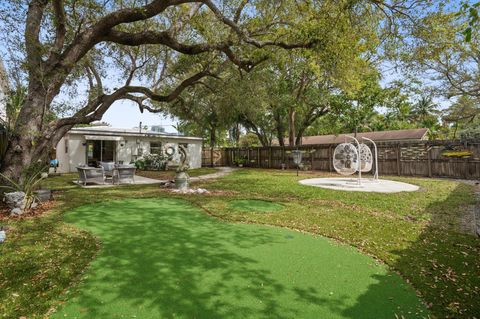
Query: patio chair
90, 175
108, 168
124, 173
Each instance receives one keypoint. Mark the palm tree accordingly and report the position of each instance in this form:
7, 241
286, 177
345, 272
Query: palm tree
425, 110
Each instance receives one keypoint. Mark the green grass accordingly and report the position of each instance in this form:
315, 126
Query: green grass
164, 258
254, 205
170, 174
415, 234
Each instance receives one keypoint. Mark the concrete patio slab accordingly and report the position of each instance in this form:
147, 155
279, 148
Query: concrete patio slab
367, 185
139, 180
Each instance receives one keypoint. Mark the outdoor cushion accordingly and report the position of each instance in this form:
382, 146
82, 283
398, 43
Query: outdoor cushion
107, 166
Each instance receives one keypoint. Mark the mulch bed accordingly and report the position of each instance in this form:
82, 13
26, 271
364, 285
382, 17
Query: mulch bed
42, 208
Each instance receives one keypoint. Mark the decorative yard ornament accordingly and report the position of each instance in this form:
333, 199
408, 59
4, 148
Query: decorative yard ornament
181, 176
184, 158
345, 159
170, 150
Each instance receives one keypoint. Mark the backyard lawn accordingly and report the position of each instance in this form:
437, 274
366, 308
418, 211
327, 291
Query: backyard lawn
168, 259
170, 174
172, 259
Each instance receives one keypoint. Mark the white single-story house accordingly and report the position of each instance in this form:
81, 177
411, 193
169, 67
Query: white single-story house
90, 145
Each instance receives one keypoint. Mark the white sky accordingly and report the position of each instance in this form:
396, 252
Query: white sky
125, 114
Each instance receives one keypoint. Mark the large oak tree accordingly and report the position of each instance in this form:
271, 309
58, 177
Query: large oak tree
61, 44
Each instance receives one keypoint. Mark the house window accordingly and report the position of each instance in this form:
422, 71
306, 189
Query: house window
156, 148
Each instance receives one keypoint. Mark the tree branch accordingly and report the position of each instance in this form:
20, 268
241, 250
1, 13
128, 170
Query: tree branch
193, 80
246, 38
86, 39
32, 31
96, 108
60, 29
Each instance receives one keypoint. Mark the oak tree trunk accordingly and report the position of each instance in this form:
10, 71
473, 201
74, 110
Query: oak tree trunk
213, 137
291, 127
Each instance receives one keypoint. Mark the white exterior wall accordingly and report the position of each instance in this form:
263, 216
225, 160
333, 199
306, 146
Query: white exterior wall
70, 153
125, 150
77, 151
63, 157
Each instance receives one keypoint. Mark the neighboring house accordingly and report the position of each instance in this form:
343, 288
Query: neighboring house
417, 134
90, 145
4, 87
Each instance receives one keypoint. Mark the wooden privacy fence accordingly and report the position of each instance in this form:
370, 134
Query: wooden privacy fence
394, 158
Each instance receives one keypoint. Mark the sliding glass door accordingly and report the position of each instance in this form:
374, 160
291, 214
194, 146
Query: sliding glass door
100, 151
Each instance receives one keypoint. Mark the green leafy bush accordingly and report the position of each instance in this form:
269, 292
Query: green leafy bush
151, 162
28, 183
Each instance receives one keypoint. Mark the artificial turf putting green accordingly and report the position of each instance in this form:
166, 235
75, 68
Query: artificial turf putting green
254, 205
164, 258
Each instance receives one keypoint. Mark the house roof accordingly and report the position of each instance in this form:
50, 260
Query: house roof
380, 136
114, 131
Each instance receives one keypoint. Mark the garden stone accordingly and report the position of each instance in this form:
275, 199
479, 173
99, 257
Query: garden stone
44, 195
191, 191
15, 200
16, 212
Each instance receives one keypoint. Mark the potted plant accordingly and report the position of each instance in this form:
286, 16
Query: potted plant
241, 162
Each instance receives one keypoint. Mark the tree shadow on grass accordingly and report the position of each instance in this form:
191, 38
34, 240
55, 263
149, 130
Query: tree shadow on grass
165, 259
442, 265
173, 264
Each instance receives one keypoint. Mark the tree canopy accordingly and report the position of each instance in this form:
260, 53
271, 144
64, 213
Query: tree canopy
274, 68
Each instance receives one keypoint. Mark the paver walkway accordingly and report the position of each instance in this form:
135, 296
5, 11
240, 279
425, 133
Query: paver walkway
222, 171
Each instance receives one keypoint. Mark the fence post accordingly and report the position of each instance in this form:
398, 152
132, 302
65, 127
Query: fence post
429, 160
466, 166
398, 159
330, 162
311, 160
259, 160
270, 157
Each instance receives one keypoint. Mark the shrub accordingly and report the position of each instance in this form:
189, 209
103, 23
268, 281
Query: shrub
28, 183
151, 161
